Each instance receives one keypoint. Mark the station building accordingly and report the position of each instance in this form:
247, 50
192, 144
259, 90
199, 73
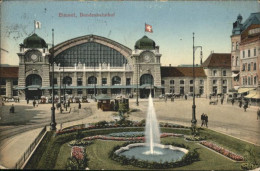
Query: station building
92, 65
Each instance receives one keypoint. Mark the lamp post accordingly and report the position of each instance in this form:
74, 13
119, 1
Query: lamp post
137, 80
64, 90
194, 121
60, 91
53, 123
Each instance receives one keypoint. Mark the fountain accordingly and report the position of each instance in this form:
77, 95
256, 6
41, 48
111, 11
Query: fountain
152, 132
152, 150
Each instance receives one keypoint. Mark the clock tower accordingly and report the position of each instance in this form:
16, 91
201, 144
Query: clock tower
34, 77
147, 67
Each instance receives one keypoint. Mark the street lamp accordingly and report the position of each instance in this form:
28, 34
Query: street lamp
53, 123
137, 80
194, 121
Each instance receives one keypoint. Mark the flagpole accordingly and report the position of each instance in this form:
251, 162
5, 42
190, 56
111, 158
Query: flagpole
34, 25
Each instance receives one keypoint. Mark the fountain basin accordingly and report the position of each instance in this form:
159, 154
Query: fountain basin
162, 153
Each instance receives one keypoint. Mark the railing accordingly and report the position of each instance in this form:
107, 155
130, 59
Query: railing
27, 153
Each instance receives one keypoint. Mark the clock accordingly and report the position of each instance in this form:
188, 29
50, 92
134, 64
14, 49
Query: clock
147, 58
34, 57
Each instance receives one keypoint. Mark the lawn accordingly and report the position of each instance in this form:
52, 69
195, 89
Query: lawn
98, 151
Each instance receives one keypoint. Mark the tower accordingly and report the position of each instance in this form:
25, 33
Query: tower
33, 68
147, 67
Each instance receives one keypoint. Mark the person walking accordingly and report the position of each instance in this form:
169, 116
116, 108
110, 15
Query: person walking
206, 120
79, 105
27, 100
12, 109
222, 100
185, 96
245, 106
258, 113
69, 103
233, 101
240, 103
34, 103
202, 119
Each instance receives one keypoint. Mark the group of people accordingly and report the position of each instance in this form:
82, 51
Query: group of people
204, 120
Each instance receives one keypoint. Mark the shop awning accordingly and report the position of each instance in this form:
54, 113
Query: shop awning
20, 88
251, 94
244, 90
235, 75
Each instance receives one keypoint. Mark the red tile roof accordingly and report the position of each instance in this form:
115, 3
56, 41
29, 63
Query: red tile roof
9, 72
182, 72
218, 60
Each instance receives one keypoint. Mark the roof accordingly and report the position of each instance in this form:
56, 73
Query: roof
250, 39
145, 43
9, 72
182, 72
34, 41
218, 60
254, 18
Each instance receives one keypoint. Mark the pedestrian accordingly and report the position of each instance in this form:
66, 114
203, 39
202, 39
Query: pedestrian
258, 113
12, 109
206, 120
210, 97
18, 100
185, 96
202, 119
172, 99
165, 99
222, 99
79, 105
34, 103
28, 100
240, 103
245, 106
69, 103
232, 101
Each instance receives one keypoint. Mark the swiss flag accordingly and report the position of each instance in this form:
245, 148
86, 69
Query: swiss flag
148, 28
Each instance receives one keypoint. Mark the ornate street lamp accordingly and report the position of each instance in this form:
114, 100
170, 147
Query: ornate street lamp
193, 120
137, 82
53, 123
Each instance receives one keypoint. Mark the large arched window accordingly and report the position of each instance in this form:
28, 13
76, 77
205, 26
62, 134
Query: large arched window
90, 54
67, 80
92, 80
33, 79
116, 80
146, 79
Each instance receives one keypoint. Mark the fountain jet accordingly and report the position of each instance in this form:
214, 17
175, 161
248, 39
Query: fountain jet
152, 132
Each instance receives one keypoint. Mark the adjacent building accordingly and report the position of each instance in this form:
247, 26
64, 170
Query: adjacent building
245, 56
217, 67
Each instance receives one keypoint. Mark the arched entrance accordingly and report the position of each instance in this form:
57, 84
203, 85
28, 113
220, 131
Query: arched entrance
146, 84
33, 85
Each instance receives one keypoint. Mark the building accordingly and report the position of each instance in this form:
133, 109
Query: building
8, 81
217, 67
91, 65
245, 52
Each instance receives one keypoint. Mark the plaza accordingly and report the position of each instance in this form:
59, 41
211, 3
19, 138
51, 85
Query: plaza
29, 121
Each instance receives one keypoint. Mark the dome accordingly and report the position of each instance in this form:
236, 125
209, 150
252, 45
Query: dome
34, 41
145, 44
239, 17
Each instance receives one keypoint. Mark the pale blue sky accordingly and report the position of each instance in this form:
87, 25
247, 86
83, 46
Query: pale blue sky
173, 23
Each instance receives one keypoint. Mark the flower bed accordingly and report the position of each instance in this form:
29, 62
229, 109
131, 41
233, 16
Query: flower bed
79, 143
109, 125
196, 138
222, 151
77, 152
103, 137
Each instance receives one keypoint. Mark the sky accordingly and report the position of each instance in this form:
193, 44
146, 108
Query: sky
173, 23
